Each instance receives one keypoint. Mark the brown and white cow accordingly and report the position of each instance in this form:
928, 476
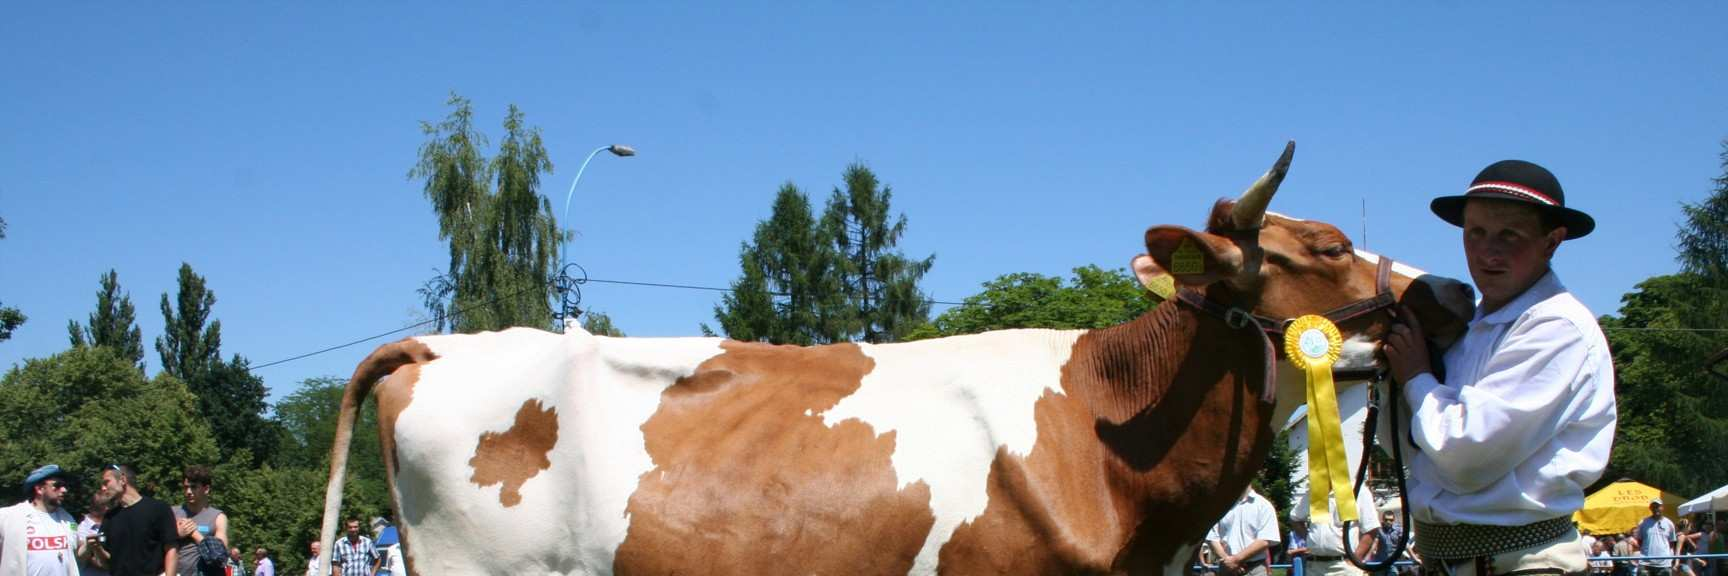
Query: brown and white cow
1017, 451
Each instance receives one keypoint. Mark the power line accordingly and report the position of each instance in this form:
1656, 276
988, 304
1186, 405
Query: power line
1635, 329
715, 289
718, 289
495, 299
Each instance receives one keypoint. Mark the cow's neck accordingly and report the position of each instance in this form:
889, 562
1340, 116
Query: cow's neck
1127, 369
1174, 397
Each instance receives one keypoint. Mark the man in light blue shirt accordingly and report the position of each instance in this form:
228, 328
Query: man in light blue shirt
1503, 442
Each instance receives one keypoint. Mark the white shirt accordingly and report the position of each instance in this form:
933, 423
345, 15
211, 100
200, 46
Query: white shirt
1252, 518
1524, 420
1326, 539
37, 543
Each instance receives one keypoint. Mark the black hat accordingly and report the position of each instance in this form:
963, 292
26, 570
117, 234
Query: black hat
1518, 181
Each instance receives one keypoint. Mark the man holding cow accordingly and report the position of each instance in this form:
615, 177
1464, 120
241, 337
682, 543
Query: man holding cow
1505, 439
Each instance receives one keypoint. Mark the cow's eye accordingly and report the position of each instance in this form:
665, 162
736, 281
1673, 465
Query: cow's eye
1334, 251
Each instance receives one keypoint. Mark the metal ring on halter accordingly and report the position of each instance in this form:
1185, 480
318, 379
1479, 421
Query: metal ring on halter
1238, 318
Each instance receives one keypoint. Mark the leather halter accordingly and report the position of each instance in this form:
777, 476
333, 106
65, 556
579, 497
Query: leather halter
1272, 329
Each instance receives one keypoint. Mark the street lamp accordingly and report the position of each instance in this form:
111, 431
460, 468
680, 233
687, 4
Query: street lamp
566, 284
618, 150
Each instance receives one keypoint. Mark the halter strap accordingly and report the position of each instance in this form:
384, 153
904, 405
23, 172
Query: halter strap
1272, 330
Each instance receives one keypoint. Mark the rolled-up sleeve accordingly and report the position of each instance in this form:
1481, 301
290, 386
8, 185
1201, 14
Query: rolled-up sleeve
1477, 432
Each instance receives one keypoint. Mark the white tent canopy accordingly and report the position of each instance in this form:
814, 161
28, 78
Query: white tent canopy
1715, 501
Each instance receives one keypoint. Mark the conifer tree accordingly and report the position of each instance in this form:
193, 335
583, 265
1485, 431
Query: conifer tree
112, 324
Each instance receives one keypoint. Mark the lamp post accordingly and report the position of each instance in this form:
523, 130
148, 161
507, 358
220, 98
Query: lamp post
565, 284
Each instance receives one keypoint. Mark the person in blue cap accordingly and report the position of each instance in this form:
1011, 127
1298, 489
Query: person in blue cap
37, 537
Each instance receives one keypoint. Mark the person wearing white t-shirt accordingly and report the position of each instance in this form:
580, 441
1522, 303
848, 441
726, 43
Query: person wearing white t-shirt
37, 537
1241, 538
1326, 553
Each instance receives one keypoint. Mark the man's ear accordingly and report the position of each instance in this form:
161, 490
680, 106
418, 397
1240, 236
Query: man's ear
1193, 258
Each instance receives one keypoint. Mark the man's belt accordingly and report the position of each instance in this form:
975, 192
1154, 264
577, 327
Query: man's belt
1466, 541
1325, 558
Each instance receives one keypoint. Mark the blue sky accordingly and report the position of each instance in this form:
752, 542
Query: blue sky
267, 144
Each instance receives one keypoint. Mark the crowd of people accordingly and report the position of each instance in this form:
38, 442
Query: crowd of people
1642, 551
1248, 540
126, 533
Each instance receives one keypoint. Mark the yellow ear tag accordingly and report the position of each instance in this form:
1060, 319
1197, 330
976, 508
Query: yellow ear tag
1313, 344
1187, 259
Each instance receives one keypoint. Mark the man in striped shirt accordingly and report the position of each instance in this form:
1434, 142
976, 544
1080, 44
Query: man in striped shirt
354, 555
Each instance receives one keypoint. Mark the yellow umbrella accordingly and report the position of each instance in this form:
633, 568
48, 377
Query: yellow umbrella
1620, 506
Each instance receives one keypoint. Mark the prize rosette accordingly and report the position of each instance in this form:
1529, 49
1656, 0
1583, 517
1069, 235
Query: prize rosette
1313, 344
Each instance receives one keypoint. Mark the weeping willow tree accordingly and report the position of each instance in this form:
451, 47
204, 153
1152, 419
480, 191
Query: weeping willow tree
501, 233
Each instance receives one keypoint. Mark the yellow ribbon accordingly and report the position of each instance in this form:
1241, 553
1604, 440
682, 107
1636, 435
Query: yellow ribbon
1313, 344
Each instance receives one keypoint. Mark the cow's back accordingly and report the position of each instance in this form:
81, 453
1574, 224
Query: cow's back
583, 454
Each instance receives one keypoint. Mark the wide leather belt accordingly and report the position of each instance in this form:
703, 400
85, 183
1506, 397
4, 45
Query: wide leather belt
1466, 541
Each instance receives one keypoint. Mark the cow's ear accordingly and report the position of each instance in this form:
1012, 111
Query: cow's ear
1153, 278
1193, 258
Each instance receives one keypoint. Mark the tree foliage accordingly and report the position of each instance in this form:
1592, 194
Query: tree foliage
281, 503
840, 278
789, 291
599, 324
1277, 479
880, 283
1703, 239
1673, 415
10, 318
229, 397
113, 324
88, 407
501, 233
1093, 298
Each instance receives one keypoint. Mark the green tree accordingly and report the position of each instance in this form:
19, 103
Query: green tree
1093, 298
282, 502
789, 292
229, 396
502, 236
113, 324
1672, 431
599, 324
88, 407
1673, 417
10, 318
1277, 478
1703, 239
880, 283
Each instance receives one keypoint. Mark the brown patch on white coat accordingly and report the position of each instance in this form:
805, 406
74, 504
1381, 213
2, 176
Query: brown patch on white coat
748, 480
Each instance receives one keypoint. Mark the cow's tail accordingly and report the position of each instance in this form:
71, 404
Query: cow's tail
383, 361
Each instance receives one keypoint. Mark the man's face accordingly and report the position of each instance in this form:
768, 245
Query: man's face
113, 485
353, 529
51, 492
194, 493
1506, 248
315, 548
1655, 509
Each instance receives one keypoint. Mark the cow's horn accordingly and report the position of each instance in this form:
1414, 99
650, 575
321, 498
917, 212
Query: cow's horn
1250, 210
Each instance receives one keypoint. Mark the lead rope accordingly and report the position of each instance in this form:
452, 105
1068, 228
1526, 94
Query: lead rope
1370, 427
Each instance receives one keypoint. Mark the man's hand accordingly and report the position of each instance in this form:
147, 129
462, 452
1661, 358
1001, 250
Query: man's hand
186, 527
1231, 565
1405, 348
